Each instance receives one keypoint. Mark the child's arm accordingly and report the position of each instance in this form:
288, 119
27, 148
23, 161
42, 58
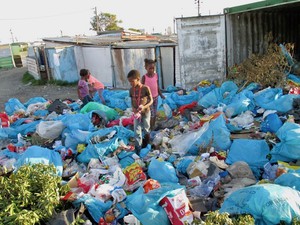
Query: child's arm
159, 91
149, 103
143, 79
100, 92
78, 93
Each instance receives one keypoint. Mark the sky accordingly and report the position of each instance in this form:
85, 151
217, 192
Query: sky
32, 20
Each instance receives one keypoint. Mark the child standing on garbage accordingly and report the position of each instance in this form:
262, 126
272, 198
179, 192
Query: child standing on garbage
141, 100
83, 88
151, 80
95, 86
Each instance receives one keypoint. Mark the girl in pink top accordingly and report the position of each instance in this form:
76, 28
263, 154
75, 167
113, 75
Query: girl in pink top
83, 88
151, 80
96, 85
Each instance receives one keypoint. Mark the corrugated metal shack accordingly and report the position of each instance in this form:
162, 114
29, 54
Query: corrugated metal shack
110, 57
208, 45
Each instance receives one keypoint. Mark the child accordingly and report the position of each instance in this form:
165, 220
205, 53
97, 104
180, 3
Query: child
151, 80
83, 88
96, 85
141, 100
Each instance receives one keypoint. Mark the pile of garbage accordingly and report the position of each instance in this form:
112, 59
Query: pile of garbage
268, 69
227, 148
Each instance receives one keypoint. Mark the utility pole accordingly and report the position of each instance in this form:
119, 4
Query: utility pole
198, 6
12, 36
97, 20
174, 25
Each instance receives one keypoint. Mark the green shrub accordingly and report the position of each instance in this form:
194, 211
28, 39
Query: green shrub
30, 195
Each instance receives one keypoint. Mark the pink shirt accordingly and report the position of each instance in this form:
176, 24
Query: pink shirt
151, 82
97, 84
83, 88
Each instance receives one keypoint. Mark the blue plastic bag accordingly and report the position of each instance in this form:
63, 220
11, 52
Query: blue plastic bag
217, 132
240, 103
267, 203
34, 100
289, 179
219, 95
96, 207
273, 99
253, 152
271, 123
145, 206
36, 154
101, 149
289, 145
167, 172
13, 105
181, 100
76, 121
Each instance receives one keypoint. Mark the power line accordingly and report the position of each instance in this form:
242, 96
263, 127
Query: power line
46, 16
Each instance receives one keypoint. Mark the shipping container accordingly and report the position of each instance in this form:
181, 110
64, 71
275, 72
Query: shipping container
209, 45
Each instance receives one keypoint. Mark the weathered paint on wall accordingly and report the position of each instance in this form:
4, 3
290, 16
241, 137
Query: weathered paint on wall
111, 64
167, 67
201, 43
62, 64
97, 60
127, 59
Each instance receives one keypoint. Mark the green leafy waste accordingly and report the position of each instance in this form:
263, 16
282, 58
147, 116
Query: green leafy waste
30, 195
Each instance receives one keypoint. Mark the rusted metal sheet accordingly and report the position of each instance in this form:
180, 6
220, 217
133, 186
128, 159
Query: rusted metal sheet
111, 63
201, 44
125, 60
167, 66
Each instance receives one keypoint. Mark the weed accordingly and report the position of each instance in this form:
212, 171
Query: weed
28, 78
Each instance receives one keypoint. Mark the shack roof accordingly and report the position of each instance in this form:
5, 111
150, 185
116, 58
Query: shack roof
267, 4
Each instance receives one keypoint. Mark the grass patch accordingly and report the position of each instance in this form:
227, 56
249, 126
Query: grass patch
62, 82
28, 78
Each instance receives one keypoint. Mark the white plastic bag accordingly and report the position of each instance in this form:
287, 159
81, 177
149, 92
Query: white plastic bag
168, 110
181, 143
50, 129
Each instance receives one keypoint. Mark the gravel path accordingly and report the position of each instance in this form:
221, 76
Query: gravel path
11, 86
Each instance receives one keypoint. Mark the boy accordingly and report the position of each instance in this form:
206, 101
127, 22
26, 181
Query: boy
141, 100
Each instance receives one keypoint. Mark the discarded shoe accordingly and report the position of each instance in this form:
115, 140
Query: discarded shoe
220, 163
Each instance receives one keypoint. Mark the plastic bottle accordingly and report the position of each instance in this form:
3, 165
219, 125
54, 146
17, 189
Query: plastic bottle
202, 190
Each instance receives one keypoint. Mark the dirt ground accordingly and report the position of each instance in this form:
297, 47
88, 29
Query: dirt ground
11, 86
